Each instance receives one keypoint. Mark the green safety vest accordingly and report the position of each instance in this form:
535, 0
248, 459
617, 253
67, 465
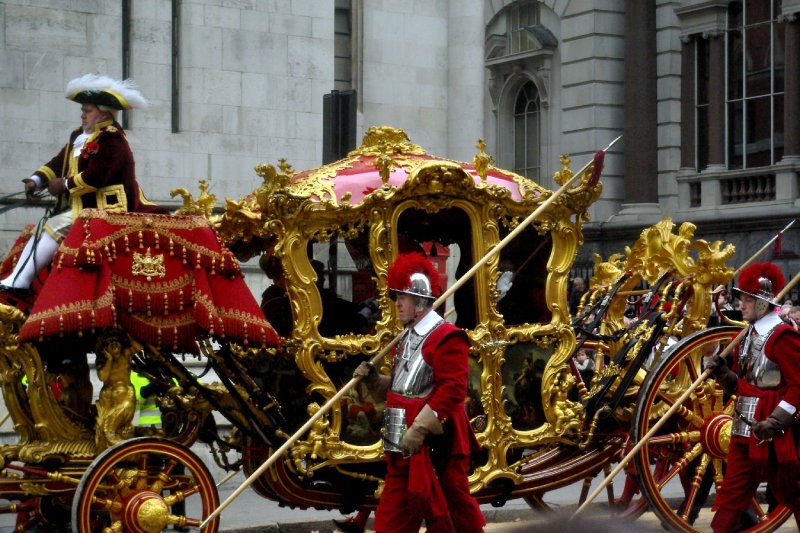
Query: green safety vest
149, 413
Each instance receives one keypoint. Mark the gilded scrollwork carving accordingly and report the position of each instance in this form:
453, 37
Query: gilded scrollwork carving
203, 206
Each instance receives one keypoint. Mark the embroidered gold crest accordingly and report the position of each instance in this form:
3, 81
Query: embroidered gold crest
148, 265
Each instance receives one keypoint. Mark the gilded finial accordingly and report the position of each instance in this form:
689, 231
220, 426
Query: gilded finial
286, 167
203, 206
563, 175
273, 178
384, 164
482, 160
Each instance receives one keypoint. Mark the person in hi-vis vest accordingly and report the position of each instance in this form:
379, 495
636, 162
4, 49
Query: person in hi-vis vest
149, 416
148, 413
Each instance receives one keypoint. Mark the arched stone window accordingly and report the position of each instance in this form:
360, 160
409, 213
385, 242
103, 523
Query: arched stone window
527, 132
521, 55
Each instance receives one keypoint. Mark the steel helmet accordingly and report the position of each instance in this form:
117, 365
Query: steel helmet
414, 275
762, 281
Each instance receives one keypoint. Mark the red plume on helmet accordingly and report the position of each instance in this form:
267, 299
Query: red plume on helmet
762, 280
398, 278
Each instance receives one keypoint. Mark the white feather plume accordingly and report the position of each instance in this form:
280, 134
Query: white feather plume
94, 83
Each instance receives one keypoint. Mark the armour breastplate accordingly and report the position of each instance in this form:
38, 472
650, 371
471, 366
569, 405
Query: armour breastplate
754, 365
412, 377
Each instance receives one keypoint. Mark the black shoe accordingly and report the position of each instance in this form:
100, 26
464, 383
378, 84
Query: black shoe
348, 525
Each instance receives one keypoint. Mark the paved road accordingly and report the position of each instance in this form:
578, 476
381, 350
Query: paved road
252, 514
514, 517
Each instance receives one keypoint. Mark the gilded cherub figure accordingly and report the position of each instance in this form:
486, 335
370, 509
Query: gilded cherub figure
117, 402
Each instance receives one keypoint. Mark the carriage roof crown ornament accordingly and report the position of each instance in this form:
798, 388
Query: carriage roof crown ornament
762, 281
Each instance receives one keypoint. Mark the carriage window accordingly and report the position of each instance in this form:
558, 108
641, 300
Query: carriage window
446, 238
523, 268
346, 283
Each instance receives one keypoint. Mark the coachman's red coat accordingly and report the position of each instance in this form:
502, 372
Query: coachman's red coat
106, 173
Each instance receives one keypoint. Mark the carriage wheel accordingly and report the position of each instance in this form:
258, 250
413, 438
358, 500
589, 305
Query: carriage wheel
135, 485
686, 458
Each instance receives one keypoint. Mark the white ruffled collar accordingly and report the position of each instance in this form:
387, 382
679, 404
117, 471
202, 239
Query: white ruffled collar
427, 323
77, 144
767, 322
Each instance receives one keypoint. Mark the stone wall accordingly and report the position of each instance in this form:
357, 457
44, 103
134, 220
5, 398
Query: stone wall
252, 77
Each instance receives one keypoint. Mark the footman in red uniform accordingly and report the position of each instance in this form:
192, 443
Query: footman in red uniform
427, 463
766, 380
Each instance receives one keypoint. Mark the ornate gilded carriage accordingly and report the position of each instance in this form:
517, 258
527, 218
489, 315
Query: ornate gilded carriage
327, 236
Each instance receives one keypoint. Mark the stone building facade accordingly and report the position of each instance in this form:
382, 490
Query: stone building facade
705, 92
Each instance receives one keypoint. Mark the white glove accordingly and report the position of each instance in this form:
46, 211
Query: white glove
504, 283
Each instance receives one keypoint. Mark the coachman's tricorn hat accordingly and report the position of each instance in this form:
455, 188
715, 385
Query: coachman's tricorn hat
413, 274
762, 281
102, 90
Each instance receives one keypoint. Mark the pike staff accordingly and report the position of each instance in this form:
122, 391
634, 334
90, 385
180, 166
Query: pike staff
597, 168
663, 419
762, 249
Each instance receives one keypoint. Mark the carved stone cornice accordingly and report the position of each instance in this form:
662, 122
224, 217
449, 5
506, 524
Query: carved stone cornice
712, 33
790, 9
705, 17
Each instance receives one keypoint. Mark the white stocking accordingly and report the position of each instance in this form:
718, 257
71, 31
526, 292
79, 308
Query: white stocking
26, 268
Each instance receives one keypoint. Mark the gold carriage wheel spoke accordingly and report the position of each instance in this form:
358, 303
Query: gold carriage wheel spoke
105, 503
141, 473
164, 476
116, 483
181, 495
691, 369
697, 480
116, 527
683, 412
184, 521
687, 458
760, 514
674, 438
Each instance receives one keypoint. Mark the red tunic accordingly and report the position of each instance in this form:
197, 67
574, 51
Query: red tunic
782, 347
446, 350
106, 176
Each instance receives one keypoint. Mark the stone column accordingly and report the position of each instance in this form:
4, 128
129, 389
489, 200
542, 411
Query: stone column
716, 102
786, 185
791, 89
465, 78
641, 118
688, 140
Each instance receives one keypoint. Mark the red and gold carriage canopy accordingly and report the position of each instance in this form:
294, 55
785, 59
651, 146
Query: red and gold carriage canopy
165, 279
385, 160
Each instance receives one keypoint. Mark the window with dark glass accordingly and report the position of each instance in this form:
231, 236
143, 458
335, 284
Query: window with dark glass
342, 55
527, 132
701, 103
522, 16
754, 84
